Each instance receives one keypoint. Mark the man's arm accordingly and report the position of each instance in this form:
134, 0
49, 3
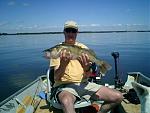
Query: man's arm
59, 71
86, 63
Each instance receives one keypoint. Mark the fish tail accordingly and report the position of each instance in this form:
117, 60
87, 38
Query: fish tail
104, 67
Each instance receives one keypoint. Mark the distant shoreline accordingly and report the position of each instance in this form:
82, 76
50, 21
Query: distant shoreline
33, 33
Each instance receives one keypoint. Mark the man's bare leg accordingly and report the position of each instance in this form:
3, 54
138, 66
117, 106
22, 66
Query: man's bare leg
67, 100
111, 98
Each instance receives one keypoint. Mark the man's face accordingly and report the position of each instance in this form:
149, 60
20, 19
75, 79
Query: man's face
70, 35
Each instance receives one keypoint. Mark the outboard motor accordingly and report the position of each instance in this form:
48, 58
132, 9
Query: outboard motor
118, 82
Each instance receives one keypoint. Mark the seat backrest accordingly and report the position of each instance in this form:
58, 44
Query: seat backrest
51, 76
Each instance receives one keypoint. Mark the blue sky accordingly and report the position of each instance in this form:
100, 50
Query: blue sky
50, 15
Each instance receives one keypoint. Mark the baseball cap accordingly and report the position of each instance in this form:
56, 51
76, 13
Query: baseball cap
71, 24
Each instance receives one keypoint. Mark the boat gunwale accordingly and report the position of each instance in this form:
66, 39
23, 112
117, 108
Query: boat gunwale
21, 90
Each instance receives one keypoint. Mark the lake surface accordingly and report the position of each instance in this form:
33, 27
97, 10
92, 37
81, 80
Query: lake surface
22, 61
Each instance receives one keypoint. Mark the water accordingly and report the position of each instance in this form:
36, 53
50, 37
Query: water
22, 61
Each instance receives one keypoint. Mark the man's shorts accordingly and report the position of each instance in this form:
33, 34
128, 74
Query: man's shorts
85, 90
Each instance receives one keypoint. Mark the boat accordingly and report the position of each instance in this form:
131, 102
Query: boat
35, 97
32, 98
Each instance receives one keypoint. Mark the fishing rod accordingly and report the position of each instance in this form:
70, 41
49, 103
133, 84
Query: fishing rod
118, 82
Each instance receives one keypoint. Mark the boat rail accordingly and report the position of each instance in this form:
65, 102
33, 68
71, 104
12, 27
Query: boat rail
19, 91
140, 78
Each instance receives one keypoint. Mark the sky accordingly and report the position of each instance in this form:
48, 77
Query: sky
50, 15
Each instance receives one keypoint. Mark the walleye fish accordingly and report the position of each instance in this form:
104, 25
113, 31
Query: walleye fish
76, 51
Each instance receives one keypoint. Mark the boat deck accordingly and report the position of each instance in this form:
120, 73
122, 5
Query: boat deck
131, 108
44, 108
126, 107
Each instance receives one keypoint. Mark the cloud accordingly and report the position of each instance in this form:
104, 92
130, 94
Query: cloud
4, 23
11, 3
27, 27
94, 25
128, 10
25, 4
119, 24
89, 25
83, 25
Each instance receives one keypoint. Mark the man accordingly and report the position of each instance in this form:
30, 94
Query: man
73, 74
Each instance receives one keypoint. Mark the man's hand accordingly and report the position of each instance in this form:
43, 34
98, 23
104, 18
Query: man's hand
65, 58
85, 62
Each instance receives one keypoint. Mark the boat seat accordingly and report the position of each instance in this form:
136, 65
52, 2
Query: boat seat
54, 103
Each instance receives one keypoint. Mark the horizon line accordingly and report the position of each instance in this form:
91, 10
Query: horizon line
58, 32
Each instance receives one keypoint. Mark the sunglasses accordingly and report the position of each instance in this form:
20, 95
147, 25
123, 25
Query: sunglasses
70, 30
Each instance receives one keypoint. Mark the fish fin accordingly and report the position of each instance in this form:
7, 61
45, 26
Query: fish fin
104, 67
46, 50
92, 52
